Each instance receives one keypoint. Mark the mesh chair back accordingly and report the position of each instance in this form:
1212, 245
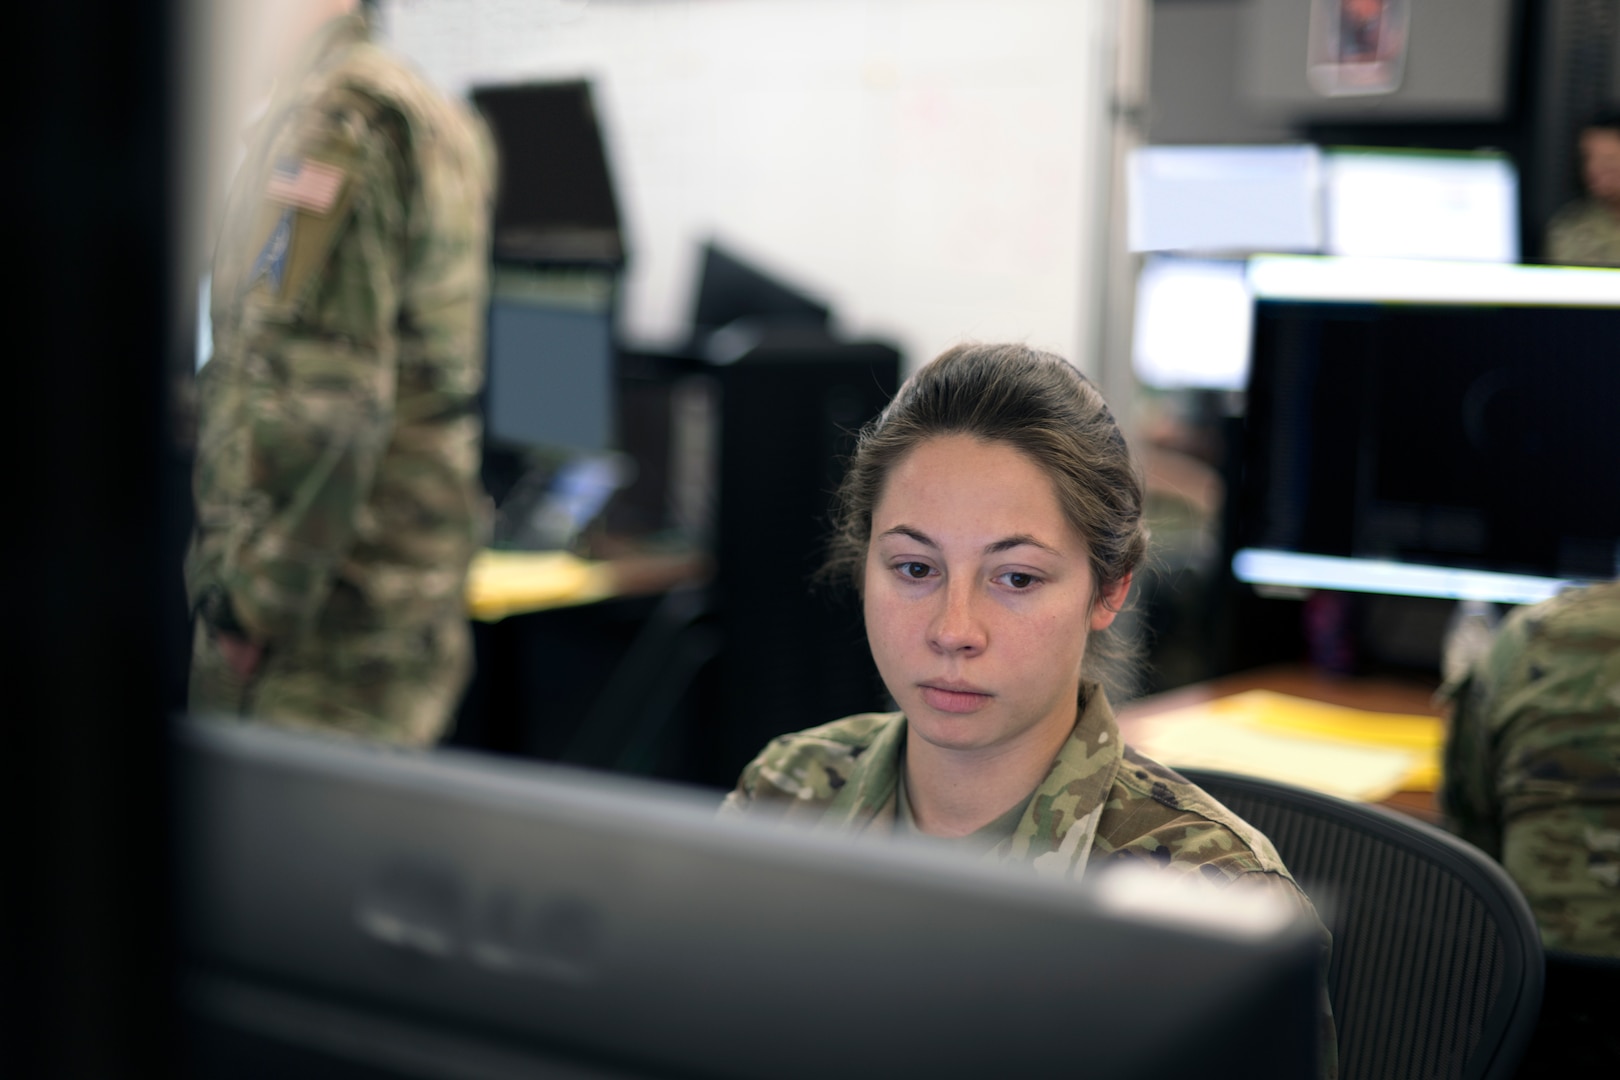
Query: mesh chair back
1437, 963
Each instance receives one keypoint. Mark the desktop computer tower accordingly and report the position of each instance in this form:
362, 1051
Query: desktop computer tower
794, 653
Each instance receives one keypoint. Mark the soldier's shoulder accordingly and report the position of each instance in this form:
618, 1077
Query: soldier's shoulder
1574, 633
1577, 214
1590, 612
372, 72
811, 765
843, 740
1156, 812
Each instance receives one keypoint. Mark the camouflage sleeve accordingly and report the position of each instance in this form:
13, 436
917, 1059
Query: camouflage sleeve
1561, 241
741, 798
1155, 813
319, 352
1581, 234
1468, 789
797, 776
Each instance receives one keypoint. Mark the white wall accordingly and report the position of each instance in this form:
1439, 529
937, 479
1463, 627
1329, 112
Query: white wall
933, 168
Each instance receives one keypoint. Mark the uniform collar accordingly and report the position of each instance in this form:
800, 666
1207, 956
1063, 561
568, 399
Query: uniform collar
867, 799
1057, 830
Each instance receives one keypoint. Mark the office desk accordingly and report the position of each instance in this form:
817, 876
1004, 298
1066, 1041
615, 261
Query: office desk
1372, 693
507, 583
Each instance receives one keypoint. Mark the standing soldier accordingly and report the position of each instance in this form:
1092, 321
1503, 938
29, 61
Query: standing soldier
338, 503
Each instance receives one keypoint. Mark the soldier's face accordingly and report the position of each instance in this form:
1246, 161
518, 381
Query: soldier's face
978, 597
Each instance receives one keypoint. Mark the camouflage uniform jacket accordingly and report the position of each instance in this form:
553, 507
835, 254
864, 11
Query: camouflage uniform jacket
1532, 763
1100, 801
338, 448
1584, 233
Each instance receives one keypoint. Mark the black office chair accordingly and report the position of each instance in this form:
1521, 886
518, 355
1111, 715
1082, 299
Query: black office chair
1437, 963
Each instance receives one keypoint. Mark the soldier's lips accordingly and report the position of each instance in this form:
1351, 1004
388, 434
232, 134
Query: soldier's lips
953, 699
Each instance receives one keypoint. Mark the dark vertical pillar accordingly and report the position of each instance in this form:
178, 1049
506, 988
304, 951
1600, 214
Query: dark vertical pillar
88, 617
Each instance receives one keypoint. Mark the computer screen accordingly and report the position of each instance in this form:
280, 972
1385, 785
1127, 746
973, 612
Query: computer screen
378, 913
550, 380
1224, 199
1430, 429
1194, 318
733, 290
1422, 204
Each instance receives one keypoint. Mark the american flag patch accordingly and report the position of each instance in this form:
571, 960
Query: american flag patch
308, 185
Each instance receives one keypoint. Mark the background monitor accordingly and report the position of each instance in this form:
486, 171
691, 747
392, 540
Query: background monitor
1194, 319
1422, 204
554, 200
551, 359
733, 291
1430, 429
1224, 199
359, 911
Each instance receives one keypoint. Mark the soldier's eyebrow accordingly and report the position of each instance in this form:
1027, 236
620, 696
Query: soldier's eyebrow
1019, 540
911, 533
995, 547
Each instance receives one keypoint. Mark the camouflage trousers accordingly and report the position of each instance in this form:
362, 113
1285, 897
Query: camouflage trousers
391, 687
1566, 859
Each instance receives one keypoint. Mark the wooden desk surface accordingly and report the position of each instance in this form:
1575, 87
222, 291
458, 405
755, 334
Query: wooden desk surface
1373, 693
644, 573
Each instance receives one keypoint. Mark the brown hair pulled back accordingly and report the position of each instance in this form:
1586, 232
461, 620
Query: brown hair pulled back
1037, 403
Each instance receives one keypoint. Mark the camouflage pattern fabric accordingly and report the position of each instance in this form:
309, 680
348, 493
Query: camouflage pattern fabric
1101, 803
338, 503
1584, 233
1532, 763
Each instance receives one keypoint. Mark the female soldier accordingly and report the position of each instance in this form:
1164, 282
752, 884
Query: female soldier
991, 519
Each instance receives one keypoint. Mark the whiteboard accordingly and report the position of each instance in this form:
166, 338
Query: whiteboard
936, 169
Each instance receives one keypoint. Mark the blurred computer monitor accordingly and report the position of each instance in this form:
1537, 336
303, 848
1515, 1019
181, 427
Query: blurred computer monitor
555, 201
358, 911
736, 293
1430, 429
1229, 199
1421, 204
1194, 318
550, 378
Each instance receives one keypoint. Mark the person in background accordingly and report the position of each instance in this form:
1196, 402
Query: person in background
336, 483
991, 521
1586, 232
1532, 763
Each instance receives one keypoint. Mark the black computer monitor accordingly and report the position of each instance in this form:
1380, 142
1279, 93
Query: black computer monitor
356, 911
555, 200
1430, 429
733, 290
558, 246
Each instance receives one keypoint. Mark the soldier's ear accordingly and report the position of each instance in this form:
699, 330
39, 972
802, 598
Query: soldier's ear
1109, 602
